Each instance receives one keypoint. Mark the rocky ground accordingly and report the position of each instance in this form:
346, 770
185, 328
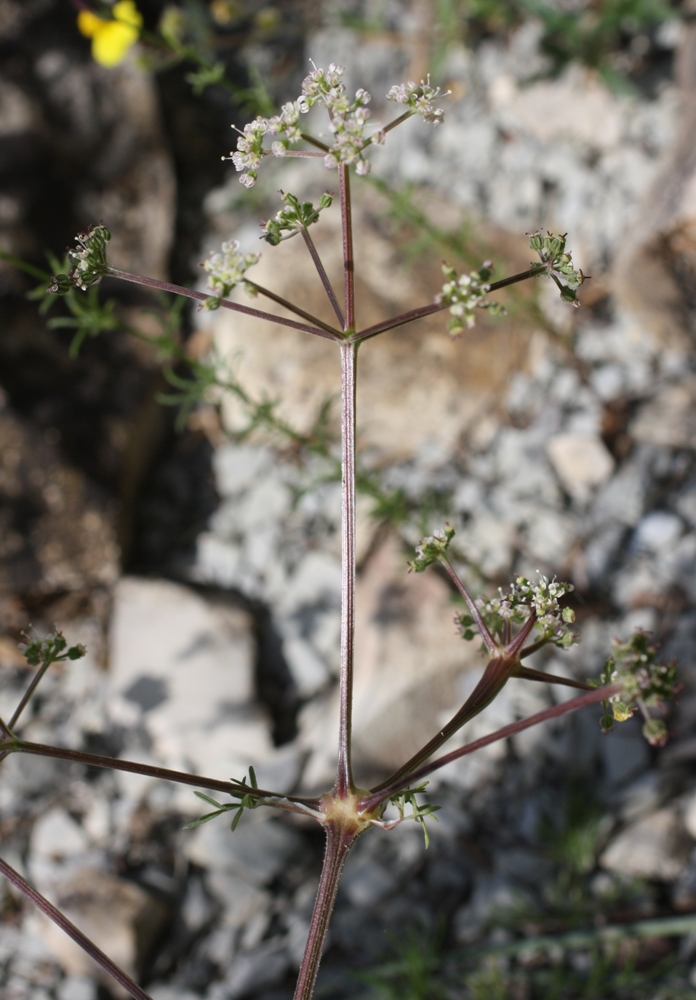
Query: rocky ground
203, 573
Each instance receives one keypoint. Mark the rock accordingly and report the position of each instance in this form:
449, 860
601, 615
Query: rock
656, 531
163, 992
655, 847
492, 896
668, 419
581, 462
119, 916
365, 882
77, 988
623, 496
257, 851
183, 666
244, 903
265, 966
58, 844
625, 754
539, 111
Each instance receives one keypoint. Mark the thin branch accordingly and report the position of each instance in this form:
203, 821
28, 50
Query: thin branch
190, 293
422, 311
381, 792
164, 773
70, 929
344, 773
293, 308
400, 320
302, 154
309, 243
513, 648
491, 644
495, 676
29, 692
522, 276
397, 121
528, 674
315, 142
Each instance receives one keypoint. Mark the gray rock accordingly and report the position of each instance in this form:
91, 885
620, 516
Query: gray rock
659, 529
493, 896
264, 967
365, 882
183, 667
625, 754
78, 988
668, 418
655, 847
256, 851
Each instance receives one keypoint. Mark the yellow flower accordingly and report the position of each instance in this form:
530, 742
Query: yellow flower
111, 39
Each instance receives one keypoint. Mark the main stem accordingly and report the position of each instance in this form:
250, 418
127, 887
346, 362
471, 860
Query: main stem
344, 774
349, 355
338, 844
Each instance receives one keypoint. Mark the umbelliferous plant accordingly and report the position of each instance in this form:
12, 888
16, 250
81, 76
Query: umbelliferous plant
511, 626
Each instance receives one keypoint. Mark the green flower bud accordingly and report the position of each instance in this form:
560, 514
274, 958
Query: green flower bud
607, 723
432, 548
60, 285
655, 732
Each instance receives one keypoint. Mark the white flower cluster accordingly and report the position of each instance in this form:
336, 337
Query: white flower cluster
465, 294
348, 122
419, 98
225, 270
250, 149
543, 598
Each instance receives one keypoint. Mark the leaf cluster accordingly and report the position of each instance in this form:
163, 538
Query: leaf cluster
293, 218
558, 263
420, 812
246, 800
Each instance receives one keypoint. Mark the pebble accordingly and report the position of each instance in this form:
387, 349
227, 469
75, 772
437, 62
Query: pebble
581, 462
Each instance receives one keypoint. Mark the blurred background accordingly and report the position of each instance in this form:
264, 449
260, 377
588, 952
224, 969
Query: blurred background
168, 497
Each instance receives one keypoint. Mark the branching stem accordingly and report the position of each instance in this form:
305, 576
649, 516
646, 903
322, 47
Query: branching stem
422, 311
382, 792
491, 644
319, 329
181, 777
